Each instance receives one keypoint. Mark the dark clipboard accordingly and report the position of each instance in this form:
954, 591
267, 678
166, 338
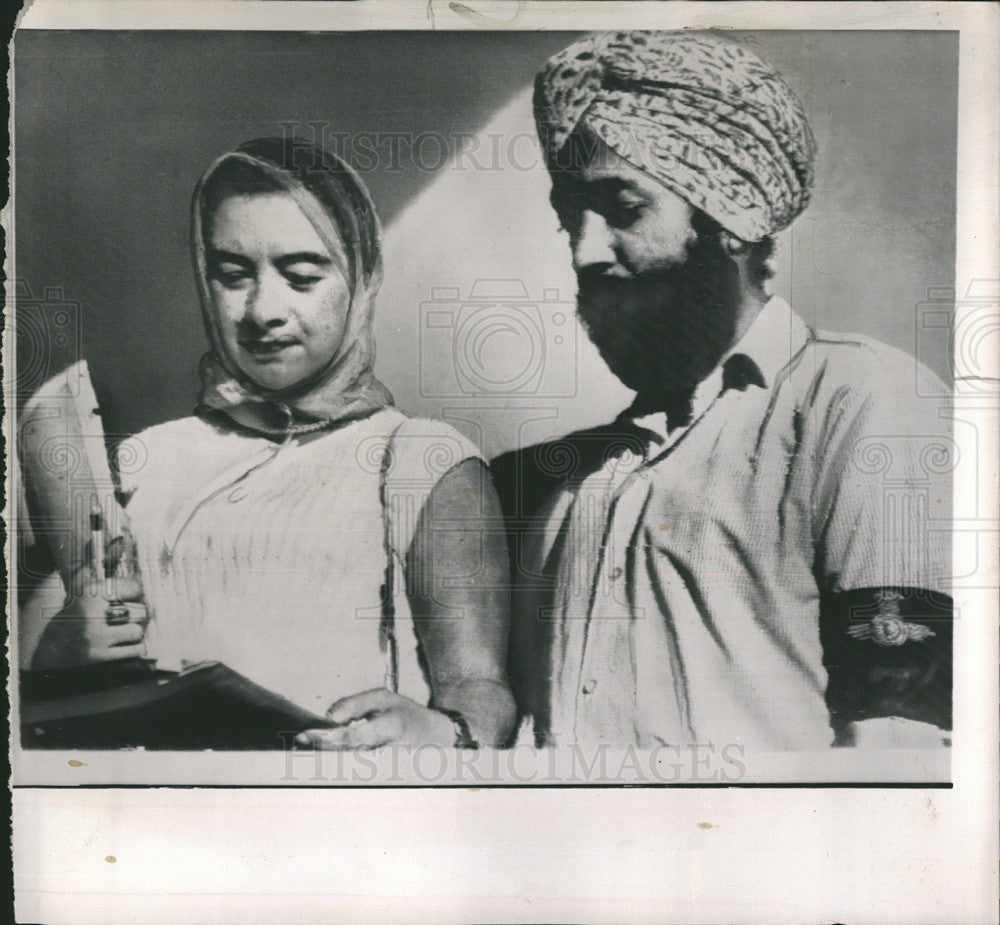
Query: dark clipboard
207, 706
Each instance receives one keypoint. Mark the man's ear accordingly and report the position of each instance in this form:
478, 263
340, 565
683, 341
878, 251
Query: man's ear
734, 246
755, 260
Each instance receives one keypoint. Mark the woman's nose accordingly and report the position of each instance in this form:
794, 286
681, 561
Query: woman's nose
594, 245
265, 306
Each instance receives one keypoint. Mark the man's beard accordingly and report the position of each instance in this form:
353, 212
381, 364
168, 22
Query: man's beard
662, 331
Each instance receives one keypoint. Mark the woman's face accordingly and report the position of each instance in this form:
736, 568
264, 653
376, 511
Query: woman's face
280, 298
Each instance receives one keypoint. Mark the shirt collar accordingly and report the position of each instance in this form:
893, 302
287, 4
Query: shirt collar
772, 339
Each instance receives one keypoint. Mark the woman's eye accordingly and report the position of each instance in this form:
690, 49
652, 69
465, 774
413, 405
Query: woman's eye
302, 280
232, 277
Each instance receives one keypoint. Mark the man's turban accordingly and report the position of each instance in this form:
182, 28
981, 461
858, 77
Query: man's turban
704, 116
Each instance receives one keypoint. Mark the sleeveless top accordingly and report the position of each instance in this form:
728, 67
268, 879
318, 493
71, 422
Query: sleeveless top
272, 557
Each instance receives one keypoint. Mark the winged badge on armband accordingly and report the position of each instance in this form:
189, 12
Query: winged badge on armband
888, 628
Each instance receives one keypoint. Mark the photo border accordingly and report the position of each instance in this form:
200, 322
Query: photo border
856, 853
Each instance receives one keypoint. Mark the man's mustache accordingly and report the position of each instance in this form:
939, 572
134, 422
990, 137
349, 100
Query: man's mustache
663, 328
654, 302
598, 279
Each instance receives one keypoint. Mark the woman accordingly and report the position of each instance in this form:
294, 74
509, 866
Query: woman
276, 528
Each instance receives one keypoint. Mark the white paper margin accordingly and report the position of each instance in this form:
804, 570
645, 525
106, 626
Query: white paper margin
644, 855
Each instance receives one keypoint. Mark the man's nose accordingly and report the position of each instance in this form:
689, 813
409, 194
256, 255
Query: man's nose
594, 245
265, 306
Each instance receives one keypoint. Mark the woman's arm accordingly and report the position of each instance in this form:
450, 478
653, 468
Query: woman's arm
458, 588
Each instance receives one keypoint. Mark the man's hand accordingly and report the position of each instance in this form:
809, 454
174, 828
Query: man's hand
896, 732
379, 717
92, 629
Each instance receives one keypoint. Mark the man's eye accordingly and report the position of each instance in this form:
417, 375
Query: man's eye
620, 213
570, 218
567, 222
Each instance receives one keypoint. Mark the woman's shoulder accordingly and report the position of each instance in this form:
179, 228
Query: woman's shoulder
178, 429
421, 452
171, 436
422, 449
167, 445
435, 438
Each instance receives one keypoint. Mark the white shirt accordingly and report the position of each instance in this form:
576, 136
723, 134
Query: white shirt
685, 567
271, 557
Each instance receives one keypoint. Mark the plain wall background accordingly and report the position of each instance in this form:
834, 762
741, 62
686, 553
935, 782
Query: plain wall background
113, 129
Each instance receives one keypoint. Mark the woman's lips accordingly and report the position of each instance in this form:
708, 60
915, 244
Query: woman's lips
267, 348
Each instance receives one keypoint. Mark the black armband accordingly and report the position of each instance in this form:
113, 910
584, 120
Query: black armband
463, 736
887, 652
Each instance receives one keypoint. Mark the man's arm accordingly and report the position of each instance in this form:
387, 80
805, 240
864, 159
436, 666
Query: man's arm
882, 524
888, 655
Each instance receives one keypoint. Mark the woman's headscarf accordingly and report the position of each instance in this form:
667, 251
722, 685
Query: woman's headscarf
334, 199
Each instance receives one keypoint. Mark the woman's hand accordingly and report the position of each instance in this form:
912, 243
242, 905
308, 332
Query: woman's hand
92, 628
379, 717
461, 620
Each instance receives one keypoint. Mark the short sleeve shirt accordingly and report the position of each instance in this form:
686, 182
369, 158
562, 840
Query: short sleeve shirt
271, 557
687, 565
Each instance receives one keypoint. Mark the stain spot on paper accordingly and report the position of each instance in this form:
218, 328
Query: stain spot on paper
706, 825
478, 19
111, 859
73, 763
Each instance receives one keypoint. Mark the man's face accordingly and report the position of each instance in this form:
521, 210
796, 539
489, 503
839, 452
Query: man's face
659, 301
619, 219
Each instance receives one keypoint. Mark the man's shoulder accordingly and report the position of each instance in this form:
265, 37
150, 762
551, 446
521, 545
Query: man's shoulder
526, 476
838, 363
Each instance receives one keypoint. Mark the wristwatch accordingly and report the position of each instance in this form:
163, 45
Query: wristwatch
463, 737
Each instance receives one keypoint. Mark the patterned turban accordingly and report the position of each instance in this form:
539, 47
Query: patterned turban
702, 115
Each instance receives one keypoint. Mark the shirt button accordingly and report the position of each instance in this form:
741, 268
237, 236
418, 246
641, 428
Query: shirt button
589, 686
237, 494
616, 573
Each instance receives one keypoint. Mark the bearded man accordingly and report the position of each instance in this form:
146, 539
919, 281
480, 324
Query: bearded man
744, 555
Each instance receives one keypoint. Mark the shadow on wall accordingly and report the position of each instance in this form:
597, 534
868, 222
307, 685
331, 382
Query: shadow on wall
475, 321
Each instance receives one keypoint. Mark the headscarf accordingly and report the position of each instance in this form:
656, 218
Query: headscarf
335, 200
704, 116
